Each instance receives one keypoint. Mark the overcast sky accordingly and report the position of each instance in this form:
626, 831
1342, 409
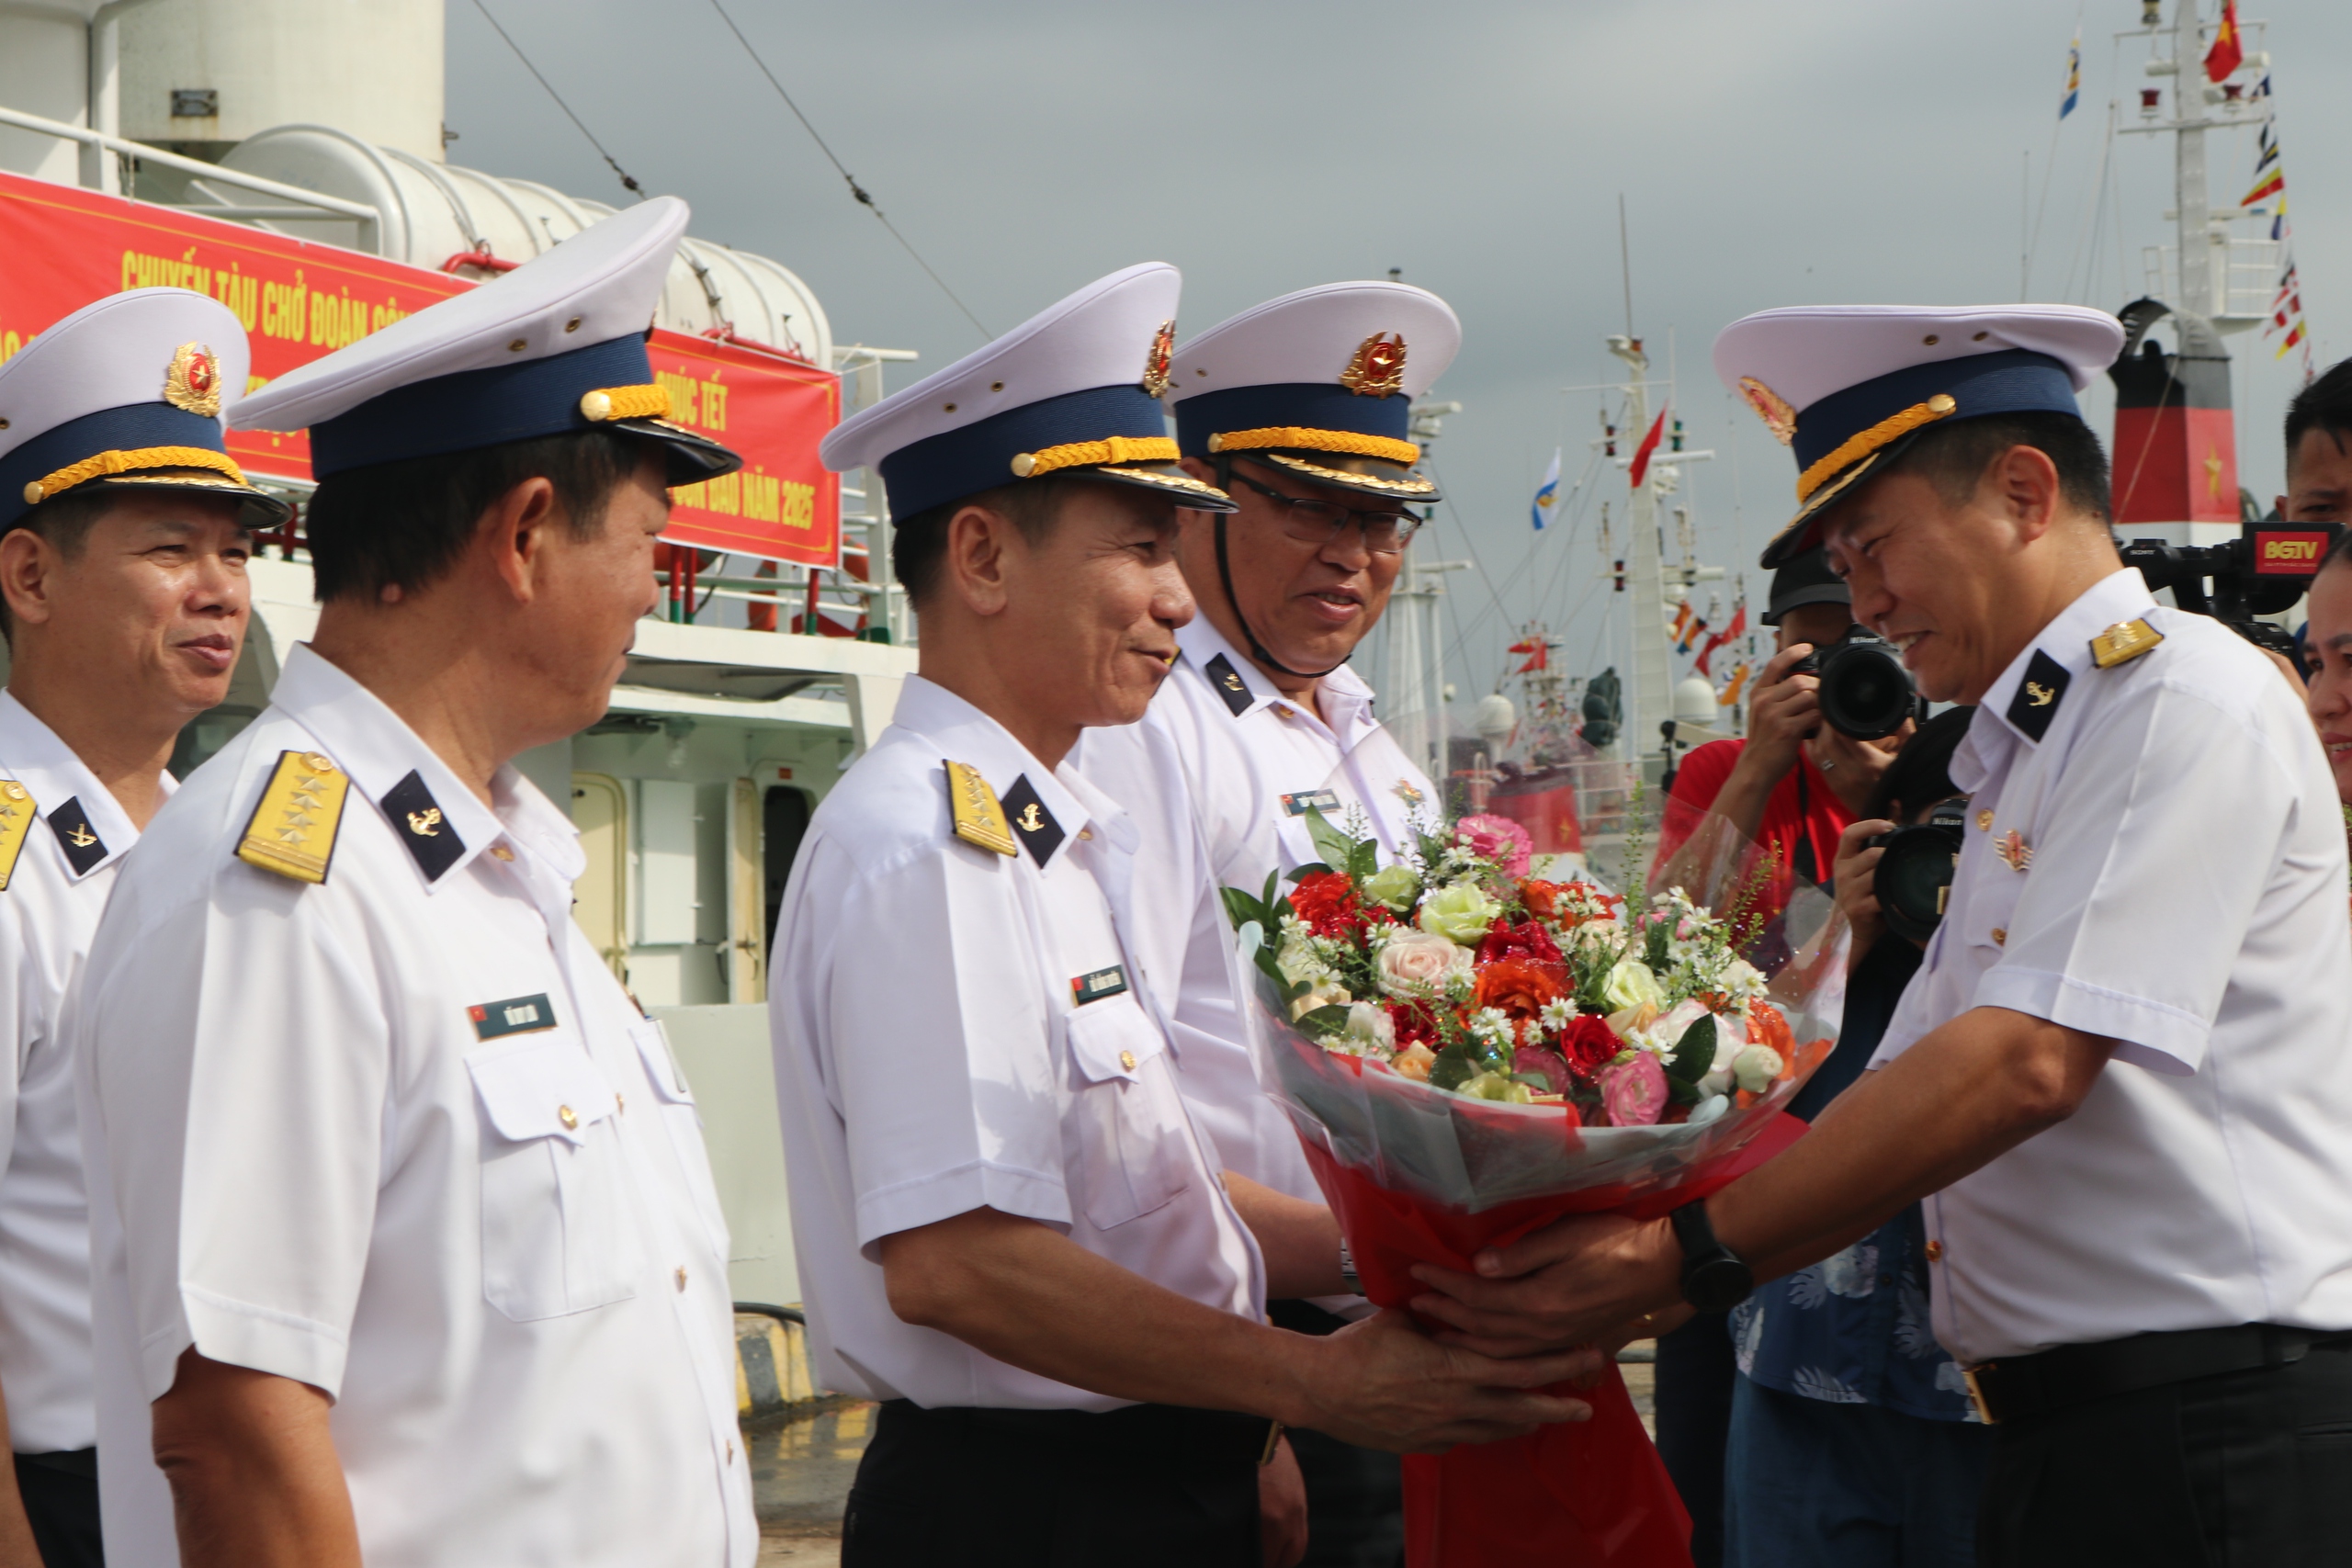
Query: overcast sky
1769, 154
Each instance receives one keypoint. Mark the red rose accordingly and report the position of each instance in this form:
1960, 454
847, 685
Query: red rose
1525, 940
1326, 900
1415, 1024
1589, 1043
1539, 897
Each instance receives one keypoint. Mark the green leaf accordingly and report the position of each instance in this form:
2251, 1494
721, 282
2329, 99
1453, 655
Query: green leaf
1312, 868
1659, 949
1241, 908
1535, 1081
1363, 860
1681, 1093
1333, 845
1454, 1068
1325, 1019
1694, 1053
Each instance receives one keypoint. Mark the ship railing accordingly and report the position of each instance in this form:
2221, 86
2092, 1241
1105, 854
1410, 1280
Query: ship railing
295, 203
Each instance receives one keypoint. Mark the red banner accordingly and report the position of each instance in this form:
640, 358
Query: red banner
62, 247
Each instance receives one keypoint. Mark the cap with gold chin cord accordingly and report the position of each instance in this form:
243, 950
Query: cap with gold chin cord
126, 394
554, 347
1847, 387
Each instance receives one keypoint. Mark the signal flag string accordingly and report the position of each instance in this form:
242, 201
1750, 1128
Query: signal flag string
864, 196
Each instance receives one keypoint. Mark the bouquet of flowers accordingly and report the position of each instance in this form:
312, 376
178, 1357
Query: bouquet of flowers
1469, 1052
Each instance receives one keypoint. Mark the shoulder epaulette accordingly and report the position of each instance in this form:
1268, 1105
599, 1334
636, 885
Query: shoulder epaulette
292, 830
2123, 642
979, 818
17, 814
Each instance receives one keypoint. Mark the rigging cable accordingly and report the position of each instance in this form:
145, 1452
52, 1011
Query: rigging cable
626, 181
864, 196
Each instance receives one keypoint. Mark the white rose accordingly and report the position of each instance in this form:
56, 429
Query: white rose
1371, 1025
1632, 984
1756, 1068
1413, 962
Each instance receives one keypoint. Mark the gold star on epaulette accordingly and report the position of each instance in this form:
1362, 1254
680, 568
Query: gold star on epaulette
292, 830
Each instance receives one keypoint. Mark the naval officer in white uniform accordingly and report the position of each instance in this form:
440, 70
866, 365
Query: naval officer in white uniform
124, 529
2123, 1078
1301, 409
406, 1244
1011, 1230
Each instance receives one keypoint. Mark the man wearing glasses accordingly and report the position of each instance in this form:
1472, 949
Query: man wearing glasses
1300, 409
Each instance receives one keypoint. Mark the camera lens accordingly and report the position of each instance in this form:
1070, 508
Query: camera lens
1913, 876
1865, 691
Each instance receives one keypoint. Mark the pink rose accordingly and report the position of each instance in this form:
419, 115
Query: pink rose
1634, 1093
1414, 960
1497, 838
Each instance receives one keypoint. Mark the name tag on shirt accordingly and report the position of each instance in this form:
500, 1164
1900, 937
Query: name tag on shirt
516, 1015
1098, 984
1323, 800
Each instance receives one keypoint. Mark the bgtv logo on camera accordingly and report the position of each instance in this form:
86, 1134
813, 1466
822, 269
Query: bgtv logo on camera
2282, 553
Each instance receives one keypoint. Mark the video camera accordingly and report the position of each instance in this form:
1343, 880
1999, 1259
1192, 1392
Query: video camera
2262, 572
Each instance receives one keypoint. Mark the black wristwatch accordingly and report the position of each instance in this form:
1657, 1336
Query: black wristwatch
1713, 1277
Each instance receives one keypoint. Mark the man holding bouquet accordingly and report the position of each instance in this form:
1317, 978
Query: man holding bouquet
2120, 1080
1301, 409
1013, 1233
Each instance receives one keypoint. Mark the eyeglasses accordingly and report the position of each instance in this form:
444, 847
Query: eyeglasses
1313, 521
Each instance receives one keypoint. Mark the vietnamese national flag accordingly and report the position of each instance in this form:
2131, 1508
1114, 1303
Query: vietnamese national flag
1642, 454
1539, 654
1738, 624
2227, 53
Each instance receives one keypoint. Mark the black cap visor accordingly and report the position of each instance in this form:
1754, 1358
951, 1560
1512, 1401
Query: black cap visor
258, 509
691, 459
1160, 479
1347, 470
1803, 532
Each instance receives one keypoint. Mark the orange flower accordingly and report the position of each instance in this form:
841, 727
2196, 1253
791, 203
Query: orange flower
1520, 986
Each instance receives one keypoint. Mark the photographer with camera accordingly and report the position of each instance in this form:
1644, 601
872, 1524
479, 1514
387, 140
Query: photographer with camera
1791, 786
1811, 759
1849, 1424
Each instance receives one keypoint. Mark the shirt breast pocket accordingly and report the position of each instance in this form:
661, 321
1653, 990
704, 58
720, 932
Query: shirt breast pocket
682, 1120
1126, 1134
555, 1233
1992, 906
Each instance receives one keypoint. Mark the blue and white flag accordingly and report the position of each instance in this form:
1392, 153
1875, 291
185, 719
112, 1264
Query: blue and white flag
1547, 493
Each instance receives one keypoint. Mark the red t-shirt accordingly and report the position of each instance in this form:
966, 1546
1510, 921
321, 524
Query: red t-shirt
1804, 817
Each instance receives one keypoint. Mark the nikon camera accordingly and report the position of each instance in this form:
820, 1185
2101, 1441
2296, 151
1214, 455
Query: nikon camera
2262, 572
1913, 876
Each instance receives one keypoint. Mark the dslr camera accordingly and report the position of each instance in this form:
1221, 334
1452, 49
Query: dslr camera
2262, 572
1865, 691
1914, 876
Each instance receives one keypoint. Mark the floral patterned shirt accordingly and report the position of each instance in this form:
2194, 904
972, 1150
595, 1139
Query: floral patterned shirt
1853, 1329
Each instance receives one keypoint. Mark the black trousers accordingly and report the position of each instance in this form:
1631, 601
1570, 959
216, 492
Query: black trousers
1695, 1372
61, 1493
1150, 1486
1355, 1497
2246, 1470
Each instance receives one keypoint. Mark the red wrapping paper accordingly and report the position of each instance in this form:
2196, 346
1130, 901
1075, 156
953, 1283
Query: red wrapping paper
1590, 1492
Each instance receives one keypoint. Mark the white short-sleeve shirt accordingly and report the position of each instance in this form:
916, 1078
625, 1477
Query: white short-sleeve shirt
403, 1136
958, 1029
76, 834
1219, 776
2154, 854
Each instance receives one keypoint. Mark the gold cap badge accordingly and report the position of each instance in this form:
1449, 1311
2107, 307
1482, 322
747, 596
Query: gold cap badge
1772, 407
1377, 367
1155, 362
194, 381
